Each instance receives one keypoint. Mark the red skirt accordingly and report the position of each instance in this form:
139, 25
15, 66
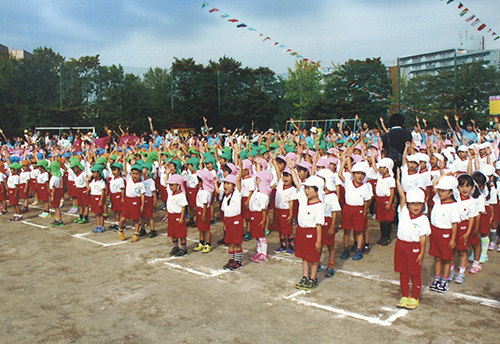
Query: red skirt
131, 208
382, 213
484, 225
147, 212
43, 192
13, 199
245, 212
33, 185
72, 191
116, 202
256, 229
83, 197
163, 193
327, 239
234, 229
280, 223
462, 229
496, 209
405, 257
305, 244
56, 203
94, 204
23, 194
176, 230
203, 226
191, 196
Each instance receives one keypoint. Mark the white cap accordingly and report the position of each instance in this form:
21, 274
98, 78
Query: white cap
413, 158
497, 165
415, 195
422, 157
271, 131
359, 167
481, 146
439, 156
328, 176
315, 181
447, 183
463, 148
314, 130
386, 162
487, 170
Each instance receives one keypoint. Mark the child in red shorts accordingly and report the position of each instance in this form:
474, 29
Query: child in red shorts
176, 209
258, 206
13, 187
204, 191
24, 185
384, 197
56, 192
445, 217
413, 229
116, 186
97, 190
332, 206
42, 182
149, 200
357, 199
133, 202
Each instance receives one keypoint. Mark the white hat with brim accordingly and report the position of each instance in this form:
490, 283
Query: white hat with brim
447, 183
415, 195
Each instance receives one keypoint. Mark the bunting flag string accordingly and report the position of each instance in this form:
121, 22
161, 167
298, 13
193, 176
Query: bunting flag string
295, 54
476, 22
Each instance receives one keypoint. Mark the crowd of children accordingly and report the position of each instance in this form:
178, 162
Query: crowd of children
305, 188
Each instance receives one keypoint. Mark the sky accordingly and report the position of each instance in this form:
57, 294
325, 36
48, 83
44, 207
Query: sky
150, 33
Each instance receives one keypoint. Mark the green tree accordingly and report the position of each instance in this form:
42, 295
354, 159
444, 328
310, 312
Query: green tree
303, 88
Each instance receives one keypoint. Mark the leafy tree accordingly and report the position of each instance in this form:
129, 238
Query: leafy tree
303, 88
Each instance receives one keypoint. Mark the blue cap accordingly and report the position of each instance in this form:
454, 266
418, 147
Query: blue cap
39, 155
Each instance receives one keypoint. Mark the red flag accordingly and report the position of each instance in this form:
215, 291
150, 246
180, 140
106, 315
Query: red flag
233, 20
102, 141
460, 5
482, 26
213, 10
470, 18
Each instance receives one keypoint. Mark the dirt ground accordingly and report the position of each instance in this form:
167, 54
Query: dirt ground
69, 285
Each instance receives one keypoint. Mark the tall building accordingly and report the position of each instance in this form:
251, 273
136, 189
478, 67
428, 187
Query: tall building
437, 61
20, 54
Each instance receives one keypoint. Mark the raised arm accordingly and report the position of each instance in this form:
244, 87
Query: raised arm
402, 197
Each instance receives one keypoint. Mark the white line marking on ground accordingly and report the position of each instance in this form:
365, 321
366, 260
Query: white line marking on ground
370, 277
297, 293
397, 315
156, 260
34, 224
481, 300
213, 273
82, 236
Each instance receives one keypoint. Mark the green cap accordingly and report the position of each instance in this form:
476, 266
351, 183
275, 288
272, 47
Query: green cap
15, 166
137, 167
113, 157
101, 160
43, 163
243, 155
226, 155
76, 163
97, 168
55, 169
195, 162
118, 166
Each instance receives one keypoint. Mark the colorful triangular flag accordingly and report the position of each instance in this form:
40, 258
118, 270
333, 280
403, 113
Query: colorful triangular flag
475, 22
496, 38
464, 12
205, 4
481, 27
470, 18
460, 5
225, 15
233, 20
265, 39
449, 2
241, 25
213, 10
252, 29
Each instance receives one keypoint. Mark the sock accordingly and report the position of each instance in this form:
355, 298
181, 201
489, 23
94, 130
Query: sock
437, 277
202, 242
239, 255
117, 223
404, 280
493, 235
383, 229
259, 246
291, 241
417, 286
388, 229
86, 217
452, 268
175, 243
263, 248
461, 269
183, 246
81, 217
331, 263
485, 241
283, 243
231, 255
445, 279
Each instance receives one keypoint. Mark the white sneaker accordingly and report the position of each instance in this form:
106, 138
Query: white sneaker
492, 246
483, 258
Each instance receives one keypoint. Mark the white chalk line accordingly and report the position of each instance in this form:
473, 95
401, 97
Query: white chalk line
33, 224
212, 273
82, 236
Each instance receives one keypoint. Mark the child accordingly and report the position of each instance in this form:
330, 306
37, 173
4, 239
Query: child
24, 185
311, 218
97, 190
176, 209
357, 199
56, 192
3, 188
332, 206
484, 209
42, 182
233, 220
33, 176
116, 187
192, 182
444, 227
149, 200
204, 191
413, 229
81, 191
286, 197
133, 202
72, 191
384, 198
247, 188
259, 202
467, 227
13, 187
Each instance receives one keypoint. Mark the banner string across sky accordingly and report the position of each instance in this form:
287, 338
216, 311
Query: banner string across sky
474, 20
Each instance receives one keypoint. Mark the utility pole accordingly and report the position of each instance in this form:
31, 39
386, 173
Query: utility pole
172, 90
301, 93
455, 79
60, 87
218, 91
399, 85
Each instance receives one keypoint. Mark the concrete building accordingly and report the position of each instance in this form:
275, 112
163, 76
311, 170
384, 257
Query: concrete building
4, 51
20, 54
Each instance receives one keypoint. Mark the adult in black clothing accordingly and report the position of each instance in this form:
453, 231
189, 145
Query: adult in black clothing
397, 136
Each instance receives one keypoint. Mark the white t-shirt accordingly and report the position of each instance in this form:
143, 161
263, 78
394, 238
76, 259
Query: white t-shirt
258, 202
284, 195
133, 189
96, 187
13, 181
231, 204
410, 181
310, 215
176, 202
42, 178
116, 185
203, 197
247, 186
412, 229
444, 215
356, 196
35, 173
55, 182
81, 180
467, 208
191, 179
384, 186
24, 177
149, 186
331, 204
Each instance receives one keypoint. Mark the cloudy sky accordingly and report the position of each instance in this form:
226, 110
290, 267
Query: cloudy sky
149, 33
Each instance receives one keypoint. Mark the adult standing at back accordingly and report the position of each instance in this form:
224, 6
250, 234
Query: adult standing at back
395, 140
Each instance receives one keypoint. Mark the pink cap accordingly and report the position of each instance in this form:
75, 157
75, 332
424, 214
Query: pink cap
230, 179
357, 158
233, 167
264, 164
207, 179
323, 162
265, 182
176, 179
332, 151
306, 165
334, 161
292, 156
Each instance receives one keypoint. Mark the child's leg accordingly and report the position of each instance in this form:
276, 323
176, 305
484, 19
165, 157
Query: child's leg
238, 253
462, 256
416, 281
347, 238
314, 270
17, 210
81, 211
359, 239
86, 211
263, 246
183, 244
477, 252
438, 266
446, 268
46, 207
231, 251
493, 231
208, 238
305, 268
58, 214
366, 235
331, 256
404, 281
151, 224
